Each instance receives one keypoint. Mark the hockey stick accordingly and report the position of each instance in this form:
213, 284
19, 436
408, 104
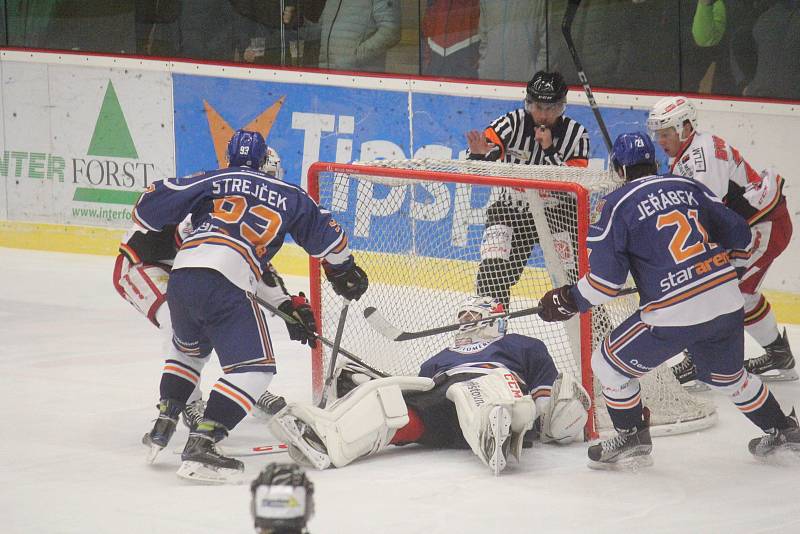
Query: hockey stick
377, 321
288, 318
256, 450
566, 29
337, 341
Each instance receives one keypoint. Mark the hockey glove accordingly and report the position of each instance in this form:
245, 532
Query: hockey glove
348, 280
557, 305
297, 307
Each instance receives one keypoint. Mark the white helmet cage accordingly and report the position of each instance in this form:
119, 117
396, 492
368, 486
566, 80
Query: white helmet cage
488, 311
272, 165
672, 112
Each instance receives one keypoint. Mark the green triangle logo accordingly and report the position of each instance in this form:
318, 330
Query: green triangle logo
111, 136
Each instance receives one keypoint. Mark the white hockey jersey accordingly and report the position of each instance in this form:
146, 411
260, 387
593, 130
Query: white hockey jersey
720, 167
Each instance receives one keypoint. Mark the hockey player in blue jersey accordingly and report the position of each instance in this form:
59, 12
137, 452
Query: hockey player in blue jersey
483, 393
240, 218
679, 243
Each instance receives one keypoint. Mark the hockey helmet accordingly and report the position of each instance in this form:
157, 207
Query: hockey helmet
247, 149
273, 164
672, 112
632, 149
483, 318
547, 88
282, 499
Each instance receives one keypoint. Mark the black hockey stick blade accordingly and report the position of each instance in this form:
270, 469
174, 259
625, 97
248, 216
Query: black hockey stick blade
325, 341
382, 325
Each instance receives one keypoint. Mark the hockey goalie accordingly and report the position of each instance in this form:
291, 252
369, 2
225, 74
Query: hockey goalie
490, 392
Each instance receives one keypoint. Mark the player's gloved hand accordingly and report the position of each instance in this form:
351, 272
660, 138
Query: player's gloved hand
557, 305
348, 280
298, 308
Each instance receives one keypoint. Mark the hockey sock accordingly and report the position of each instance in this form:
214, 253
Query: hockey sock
178, 380
767, 416
625, 412
234, 395
760, 322
411, 432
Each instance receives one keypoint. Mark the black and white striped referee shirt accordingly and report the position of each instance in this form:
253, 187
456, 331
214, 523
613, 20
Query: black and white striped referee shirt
513, 137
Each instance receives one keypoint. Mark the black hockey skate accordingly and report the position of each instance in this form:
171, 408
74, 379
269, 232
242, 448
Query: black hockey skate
777, 364
267, 405
686, 373
777, 439
192, 413
629, 449
164, 427
201, 459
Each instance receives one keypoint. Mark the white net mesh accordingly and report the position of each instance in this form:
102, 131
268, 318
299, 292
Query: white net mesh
420, 243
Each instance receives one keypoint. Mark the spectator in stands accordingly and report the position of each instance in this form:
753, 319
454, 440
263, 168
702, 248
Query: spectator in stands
355, 34
450, 38
513, 39
777, 37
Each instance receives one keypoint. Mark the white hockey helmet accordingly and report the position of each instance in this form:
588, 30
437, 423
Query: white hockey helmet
488, 311
672, 112
272, 165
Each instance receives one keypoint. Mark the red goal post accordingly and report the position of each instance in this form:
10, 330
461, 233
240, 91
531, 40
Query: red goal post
417, 228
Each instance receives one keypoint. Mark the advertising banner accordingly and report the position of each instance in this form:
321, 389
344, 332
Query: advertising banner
81, 143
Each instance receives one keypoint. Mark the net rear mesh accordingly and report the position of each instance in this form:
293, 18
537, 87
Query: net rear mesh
419, 240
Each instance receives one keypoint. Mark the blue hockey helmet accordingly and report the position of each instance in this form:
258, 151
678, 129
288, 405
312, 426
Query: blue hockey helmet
247, 149
633, 149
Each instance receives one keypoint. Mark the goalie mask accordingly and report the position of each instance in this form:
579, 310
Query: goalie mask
488, 312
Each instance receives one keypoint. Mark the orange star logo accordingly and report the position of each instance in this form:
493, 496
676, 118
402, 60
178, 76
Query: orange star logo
221, 131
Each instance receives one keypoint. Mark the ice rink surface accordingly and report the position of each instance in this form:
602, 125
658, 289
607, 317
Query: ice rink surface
79, 373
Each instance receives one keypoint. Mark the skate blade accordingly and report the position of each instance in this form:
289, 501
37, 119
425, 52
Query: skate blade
695, 386
500, 430
153, 451
779, 375
198, 472
631, 464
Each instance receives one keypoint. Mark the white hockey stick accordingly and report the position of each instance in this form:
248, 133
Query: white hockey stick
380, 323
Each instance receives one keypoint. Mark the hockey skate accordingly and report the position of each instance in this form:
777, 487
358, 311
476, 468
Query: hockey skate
777, 364
496, 439
192, 413
202, 461
163, 429
776, 440
686, 373
629, 450
305, 446
267, 405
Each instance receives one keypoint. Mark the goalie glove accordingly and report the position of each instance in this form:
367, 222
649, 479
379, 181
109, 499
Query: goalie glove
565, 416
557, 305
302, 330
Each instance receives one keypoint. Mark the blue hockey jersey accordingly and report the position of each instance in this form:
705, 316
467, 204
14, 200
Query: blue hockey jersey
674, 237
240, 218
525, 356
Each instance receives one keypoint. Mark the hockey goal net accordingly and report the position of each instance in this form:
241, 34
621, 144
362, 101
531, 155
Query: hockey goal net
417, 227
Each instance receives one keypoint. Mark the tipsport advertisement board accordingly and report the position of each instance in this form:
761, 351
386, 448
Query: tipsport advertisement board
307, 123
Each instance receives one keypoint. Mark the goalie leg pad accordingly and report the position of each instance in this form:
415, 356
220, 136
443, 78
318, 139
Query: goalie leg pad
493, 414
359, 424
567, 412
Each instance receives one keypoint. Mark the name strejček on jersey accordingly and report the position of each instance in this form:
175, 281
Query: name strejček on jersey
243, 186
